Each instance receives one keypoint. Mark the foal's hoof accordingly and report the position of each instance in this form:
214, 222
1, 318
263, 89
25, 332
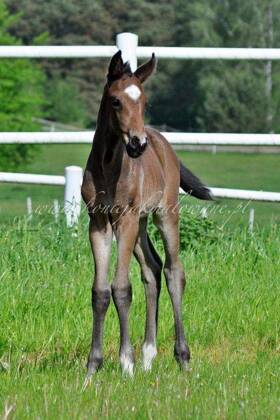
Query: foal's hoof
182, 356
87, 382
88, 378
127, 364
92, 367
149, 353
185, 366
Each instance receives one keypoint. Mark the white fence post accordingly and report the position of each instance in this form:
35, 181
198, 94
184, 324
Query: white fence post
56, 210
29, 207
204, 212
251, 219
127, 43
72, 196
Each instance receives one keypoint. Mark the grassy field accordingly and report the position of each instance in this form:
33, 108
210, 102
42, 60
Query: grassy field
232, 170
231, 313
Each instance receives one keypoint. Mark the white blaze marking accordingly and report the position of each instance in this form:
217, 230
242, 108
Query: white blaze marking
149, 353
133, 92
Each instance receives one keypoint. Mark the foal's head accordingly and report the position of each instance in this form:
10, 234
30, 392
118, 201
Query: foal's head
127, 101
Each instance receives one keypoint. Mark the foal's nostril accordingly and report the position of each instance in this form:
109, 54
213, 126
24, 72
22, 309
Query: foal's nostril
134, 142
136, 146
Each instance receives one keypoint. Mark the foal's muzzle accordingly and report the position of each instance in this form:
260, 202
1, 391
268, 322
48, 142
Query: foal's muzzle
135, 146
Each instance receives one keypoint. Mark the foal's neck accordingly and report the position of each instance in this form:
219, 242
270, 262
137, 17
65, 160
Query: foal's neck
107, 145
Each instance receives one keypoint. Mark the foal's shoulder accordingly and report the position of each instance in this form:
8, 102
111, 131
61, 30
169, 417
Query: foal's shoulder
155, 136
160, 144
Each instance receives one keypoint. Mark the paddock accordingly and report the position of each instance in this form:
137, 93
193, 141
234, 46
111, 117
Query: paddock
229, 308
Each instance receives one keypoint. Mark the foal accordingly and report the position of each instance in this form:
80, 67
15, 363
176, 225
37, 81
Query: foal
133, 171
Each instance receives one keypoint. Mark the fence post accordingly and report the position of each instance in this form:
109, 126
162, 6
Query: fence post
251, 219
56, 210
29, 207
72, 194
204, 212
127, 43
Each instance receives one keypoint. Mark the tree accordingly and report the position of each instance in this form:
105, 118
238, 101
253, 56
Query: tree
234, 95
65, 102
187, 95
21, 97
68, 22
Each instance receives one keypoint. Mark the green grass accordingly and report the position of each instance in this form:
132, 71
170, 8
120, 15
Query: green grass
232, 170
231, 314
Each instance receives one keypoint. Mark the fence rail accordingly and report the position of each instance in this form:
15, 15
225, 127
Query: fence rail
54, 51
245, 194
106, 51
73, 176
174, 138
32, 178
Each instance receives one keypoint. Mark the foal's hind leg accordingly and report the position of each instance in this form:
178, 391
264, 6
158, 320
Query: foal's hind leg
151, 267
175, 280
100, 234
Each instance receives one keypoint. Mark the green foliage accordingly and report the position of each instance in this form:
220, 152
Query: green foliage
65, 102
195, 231
21, 97
234, 99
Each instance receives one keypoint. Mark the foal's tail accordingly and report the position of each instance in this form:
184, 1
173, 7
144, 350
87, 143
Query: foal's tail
192, 185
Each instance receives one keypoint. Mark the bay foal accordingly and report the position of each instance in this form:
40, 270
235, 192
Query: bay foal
132, 171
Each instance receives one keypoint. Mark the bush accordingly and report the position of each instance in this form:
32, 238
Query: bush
195, 231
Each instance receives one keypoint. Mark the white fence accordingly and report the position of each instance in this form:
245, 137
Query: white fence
64, 137
128, 43
106, 51
73, 178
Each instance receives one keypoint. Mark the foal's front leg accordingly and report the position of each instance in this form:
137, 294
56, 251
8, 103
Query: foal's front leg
100, 235
126, 229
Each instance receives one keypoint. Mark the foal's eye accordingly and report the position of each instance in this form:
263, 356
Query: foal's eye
116, 103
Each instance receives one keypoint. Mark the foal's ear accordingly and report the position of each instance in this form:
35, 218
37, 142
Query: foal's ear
144, 71
116, 67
